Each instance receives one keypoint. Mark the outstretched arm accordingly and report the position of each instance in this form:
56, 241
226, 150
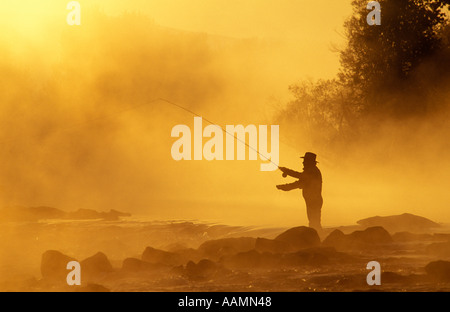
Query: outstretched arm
290, 172
289, 186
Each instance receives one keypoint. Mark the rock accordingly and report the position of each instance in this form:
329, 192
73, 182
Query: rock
372, 236
439, 249
300, 237
271, 245
96, 266
114, 215
19, 213
90, 214
204, 269
214, 249
137, 265
398, 223
189, 254
439, 270
305, 257
54, 266
92, 288
251, 260
153, 255
395, 278
336, 239
369, 238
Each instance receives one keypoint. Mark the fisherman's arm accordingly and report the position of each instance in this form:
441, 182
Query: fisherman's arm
289, 186
290, 172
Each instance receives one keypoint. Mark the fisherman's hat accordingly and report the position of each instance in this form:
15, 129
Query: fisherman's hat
309, 157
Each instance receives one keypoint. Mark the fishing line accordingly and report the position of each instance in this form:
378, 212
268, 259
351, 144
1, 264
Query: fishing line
213, 124
180, 107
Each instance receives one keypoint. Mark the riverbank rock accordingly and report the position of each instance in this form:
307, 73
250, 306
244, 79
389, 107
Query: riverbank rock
439, 270
369, 238
95, 267
153, 255
54, 266
204, 269
299, 238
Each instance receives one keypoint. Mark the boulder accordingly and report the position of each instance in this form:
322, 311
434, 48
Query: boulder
153, 255
96, 266
399, 223
372, 236
439, 270
214, 249
300, 237
441, 249
204, 269
369, 238
336, 239
54, 266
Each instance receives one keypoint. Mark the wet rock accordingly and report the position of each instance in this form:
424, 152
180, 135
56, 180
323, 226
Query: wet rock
96, 266
153, 255
300, 237
439, 270
54, 266
399, 223
214, 249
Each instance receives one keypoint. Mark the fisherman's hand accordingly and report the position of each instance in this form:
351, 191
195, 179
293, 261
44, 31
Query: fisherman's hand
281, 187
284, 171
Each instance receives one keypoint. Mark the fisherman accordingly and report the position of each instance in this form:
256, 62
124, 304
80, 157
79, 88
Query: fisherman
310, 181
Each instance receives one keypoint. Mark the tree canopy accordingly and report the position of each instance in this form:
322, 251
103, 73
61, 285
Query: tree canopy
390, 71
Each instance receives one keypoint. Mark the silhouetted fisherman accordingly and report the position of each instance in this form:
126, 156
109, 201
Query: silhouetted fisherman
310, 180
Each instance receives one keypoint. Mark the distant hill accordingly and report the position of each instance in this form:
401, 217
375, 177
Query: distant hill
399, 223
18, 213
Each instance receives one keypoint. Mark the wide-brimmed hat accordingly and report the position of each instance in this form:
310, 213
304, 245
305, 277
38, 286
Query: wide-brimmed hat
309, 157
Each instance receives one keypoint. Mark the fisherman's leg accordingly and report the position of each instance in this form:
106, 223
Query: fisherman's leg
314, 211
314, 215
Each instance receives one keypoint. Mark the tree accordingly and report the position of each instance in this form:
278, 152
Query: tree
396, 70
379, 60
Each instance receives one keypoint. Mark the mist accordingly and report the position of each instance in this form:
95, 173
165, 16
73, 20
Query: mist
84, 127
